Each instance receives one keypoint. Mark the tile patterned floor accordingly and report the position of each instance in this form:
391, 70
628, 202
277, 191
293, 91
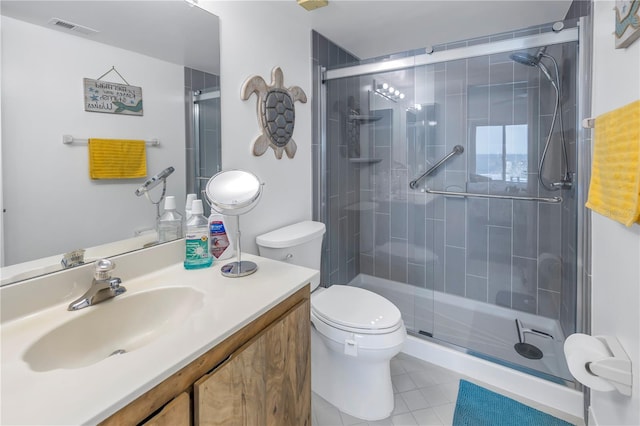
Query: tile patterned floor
425, 395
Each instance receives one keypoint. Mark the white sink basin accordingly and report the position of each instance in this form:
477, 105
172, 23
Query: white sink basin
26, 272
34, 272
114, 327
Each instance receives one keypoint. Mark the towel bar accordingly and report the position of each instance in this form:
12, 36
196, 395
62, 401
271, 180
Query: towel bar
68, 140
502, 197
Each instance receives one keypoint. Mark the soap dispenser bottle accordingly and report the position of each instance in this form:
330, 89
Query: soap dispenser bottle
197, 239
170, 223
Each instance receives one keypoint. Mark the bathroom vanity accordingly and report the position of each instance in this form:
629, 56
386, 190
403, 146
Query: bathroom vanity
223, 350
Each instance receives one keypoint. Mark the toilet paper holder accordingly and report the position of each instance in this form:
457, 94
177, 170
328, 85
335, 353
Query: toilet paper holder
615, 369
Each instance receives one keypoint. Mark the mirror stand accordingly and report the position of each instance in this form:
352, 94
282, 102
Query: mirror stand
239, 268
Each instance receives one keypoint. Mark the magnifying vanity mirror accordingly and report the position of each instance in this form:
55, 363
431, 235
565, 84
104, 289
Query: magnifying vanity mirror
51, 207
234, 193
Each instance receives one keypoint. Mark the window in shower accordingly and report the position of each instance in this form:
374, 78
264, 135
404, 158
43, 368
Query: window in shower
501, 153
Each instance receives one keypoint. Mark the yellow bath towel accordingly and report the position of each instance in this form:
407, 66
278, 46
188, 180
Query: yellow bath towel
615, 175
117, 159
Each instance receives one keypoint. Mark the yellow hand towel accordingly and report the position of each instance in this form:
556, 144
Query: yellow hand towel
614, 190
117, 159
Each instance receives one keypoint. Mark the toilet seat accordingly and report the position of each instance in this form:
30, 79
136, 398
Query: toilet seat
355, 310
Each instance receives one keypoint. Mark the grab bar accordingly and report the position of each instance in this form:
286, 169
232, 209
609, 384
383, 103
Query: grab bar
458, 149
502, 197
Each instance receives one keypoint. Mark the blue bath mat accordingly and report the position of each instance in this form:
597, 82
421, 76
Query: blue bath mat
477, 406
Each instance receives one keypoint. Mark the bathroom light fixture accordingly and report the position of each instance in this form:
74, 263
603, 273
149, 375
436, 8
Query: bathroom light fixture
313, 4
388, 92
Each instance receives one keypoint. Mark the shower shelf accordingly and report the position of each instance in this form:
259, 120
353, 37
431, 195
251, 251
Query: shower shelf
365, 160
364, 118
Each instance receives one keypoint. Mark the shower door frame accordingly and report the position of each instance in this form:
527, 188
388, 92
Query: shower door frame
199, 96
520, 43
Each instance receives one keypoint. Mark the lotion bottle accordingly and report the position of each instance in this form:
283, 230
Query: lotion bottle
221, 246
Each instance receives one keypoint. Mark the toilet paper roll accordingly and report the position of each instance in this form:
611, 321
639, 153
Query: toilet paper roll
580, 350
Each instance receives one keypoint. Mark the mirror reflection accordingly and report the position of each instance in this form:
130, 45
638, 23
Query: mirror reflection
52, 207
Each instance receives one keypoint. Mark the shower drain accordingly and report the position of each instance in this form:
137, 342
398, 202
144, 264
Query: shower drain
528, 351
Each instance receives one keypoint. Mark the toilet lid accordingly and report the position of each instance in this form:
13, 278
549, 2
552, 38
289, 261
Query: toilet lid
355, 308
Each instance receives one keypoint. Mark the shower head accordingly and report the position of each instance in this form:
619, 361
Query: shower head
525, 58
528, 59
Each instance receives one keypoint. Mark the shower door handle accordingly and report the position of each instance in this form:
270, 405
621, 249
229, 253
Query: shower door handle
458, 149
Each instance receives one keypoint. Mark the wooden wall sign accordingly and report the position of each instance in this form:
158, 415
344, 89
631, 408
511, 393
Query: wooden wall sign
112, 98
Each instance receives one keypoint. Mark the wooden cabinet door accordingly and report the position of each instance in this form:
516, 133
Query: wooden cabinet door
176, 413
265, 382
288, 369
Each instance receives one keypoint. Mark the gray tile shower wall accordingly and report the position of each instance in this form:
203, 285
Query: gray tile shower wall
336, 180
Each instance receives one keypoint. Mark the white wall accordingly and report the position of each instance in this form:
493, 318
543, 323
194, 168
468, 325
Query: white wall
52, 204
616, 248
1, 192
255, 37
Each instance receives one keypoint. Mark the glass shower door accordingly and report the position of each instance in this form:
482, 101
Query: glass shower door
207, 135
491, 270
502, 284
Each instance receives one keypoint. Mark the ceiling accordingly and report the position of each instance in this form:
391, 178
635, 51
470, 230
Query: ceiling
367, 29
169, 30
375, 28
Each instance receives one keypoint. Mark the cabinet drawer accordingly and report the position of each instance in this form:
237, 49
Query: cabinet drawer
176, 413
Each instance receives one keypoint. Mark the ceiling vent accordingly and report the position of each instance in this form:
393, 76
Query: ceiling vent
70, 26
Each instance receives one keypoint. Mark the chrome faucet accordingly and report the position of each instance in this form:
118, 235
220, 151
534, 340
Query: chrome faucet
73, 258
103, 286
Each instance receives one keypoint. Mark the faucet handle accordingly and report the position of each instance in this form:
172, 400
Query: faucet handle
103, 268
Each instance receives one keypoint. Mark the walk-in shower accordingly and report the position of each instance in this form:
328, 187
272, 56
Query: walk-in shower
454, 196
204, 136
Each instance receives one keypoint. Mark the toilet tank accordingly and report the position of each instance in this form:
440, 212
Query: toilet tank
299, 244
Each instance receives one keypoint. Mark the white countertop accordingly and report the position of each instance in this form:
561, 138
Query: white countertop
90, 394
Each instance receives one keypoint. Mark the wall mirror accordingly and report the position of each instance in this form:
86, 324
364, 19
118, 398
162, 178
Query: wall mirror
50, 205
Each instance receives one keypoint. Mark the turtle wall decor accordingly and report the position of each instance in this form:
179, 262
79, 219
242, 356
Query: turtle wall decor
276, 112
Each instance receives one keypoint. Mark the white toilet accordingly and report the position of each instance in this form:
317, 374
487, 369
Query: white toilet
354, 334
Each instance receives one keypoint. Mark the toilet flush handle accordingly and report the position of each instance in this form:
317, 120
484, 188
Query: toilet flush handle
288, 257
